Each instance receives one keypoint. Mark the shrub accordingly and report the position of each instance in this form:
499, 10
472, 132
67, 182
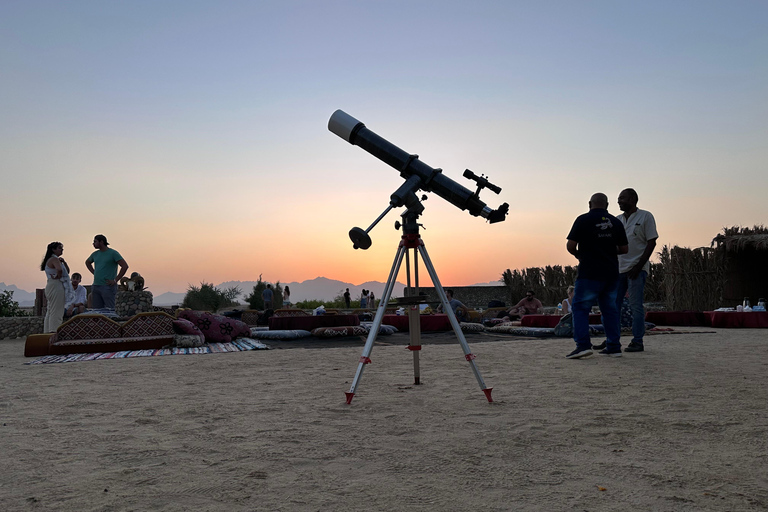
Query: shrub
207, 297
8, 306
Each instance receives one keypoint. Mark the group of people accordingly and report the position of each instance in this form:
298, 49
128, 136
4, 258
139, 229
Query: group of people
613, 254
64, 294
268, 295
366, 299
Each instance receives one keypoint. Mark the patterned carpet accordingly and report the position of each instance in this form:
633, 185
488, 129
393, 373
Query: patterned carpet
238, 345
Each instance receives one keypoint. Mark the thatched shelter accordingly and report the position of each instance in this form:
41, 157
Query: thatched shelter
743, 255
733, 267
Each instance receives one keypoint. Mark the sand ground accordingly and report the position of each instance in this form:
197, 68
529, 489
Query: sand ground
682, 426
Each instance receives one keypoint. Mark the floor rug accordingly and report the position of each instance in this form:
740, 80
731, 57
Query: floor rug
238, 345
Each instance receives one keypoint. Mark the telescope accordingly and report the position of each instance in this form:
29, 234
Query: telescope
418, 176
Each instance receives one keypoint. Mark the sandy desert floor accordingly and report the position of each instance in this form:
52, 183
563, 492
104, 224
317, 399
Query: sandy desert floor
682, 426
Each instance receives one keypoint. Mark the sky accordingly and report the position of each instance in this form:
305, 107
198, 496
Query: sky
193, 134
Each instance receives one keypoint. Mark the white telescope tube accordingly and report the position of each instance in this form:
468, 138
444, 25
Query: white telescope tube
342, 124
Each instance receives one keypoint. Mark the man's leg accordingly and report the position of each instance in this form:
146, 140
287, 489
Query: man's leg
108, 296
636, 295
610, 314
585, 292
97, 296
621, 291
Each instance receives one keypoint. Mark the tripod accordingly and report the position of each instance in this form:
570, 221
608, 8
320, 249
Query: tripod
411, 241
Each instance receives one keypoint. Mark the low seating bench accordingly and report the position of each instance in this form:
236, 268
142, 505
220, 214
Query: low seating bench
96, 333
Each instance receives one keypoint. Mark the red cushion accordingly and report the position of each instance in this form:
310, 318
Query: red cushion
185, 327
216, 328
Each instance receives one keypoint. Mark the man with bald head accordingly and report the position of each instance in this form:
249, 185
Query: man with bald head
596, 239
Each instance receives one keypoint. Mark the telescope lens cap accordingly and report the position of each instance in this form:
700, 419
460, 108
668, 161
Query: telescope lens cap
360, 238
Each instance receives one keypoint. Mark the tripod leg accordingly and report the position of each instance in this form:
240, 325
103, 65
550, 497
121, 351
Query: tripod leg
470, 357
414, 323
366, 357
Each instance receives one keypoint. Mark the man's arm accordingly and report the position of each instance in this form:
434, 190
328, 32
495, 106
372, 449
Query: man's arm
622, 249
649, 247
572, 247
89, 266
123, 269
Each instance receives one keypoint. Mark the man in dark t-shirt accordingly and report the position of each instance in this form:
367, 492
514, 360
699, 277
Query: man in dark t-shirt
596, 239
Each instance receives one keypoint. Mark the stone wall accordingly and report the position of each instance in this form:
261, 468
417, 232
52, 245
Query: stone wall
20, 326
129, 303
472, 296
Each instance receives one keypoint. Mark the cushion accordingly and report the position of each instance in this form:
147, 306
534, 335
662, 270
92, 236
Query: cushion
216, 328
280, 334
384, 329
523, 331
333, 332
182, 326
188, 340
471, 327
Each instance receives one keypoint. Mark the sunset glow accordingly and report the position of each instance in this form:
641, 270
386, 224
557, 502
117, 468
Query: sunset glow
193, 135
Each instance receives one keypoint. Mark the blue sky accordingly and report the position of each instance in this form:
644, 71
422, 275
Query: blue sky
194, 134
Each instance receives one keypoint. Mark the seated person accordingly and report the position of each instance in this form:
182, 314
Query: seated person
459, 309
567, 301
80, 300
530, 305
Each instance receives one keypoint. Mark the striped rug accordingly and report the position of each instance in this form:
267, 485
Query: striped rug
238, 345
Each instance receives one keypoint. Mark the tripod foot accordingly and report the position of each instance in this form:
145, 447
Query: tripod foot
350, 396
487, 392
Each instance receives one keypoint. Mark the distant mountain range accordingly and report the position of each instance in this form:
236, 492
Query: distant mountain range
23, 297
320, 288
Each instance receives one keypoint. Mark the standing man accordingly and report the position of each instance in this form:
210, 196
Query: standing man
266, 295
596, 239
105, 276
640, 227
347, 298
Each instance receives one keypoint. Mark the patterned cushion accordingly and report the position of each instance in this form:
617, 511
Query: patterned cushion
471, 327
280, 334
188, 340
332, 332
523, 331
216, 328
86, 327
182, 326
154, 323
384, 329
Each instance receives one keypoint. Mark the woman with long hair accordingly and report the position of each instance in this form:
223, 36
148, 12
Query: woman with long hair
57, 272
287, 297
